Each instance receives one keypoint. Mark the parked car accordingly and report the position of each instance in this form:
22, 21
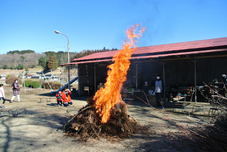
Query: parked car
2, 77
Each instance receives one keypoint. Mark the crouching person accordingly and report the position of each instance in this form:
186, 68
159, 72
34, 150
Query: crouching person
59, 98
66, 97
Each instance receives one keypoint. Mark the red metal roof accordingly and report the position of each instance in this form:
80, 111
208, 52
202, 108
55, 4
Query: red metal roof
97, 55
92, 61
180, 53
165, 48
153, 56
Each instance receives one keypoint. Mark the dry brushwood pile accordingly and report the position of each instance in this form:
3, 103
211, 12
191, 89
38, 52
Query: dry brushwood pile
211, 138
87, 124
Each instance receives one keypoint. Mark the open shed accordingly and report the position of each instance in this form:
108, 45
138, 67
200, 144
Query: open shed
182, 64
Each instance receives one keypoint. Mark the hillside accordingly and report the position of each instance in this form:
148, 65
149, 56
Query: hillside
29, 58
13, 60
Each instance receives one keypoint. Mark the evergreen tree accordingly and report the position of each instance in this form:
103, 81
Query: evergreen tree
43, 62
20, 67
52, 63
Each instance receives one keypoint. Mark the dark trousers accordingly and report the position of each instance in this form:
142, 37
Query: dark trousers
2, 98
65, 104
59, 102
158, 97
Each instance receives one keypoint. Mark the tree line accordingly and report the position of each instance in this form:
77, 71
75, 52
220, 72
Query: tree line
88, 52
52, 59
20, 51
49, 60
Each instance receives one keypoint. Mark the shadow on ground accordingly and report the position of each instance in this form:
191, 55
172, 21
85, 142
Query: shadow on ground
12, 130
165, 143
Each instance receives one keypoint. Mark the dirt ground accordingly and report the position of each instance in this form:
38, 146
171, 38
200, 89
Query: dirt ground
35, 124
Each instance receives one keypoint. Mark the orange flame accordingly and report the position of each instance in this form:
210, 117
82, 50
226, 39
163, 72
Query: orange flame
105, 98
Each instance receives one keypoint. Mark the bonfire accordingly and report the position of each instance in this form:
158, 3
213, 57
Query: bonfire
106, 113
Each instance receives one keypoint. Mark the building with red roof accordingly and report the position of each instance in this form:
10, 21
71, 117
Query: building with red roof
182, 64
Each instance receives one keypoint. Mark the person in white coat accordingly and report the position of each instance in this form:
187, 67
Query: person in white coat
158, 90
2, 93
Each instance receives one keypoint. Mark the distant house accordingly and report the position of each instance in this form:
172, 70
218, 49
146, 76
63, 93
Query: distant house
179, 64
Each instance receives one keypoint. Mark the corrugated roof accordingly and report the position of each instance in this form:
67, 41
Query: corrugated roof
153, 56
89, 61
178, 54
164, 49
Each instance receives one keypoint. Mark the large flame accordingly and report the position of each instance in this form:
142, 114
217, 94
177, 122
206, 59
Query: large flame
105, 98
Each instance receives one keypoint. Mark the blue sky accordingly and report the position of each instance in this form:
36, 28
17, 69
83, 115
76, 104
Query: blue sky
94, 24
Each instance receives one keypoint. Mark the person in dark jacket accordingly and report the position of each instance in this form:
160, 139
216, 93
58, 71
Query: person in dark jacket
16, 90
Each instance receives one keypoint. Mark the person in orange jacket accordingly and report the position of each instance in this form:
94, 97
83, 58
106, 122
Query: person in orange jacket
66, 97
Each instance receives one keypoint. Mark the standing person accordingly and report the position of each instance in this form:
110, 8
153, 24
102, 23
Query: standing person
158, 90
2, 93
16, 90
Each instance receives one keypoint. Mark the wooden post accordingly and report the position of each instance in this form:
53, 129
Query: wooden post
68, 76
164, 80
95, 85
136, 75
195, 79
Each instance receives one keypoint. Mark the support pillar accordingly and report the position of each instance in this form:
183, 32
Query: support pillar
68, 76
195, 79
95, 83
136, 75
164, 80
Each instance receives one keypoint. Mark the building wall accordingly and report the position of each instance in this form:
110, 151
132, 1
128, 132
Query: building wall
209, 69
86, 79
177, 73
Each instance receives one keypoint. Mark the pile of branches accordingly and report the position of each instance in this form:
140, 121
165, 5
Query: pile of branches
215, 92
87, 124
213, 138
216, 97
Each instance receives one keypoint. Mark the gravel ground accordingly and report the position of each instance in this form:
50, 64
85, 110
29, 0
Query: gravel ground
35, 124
